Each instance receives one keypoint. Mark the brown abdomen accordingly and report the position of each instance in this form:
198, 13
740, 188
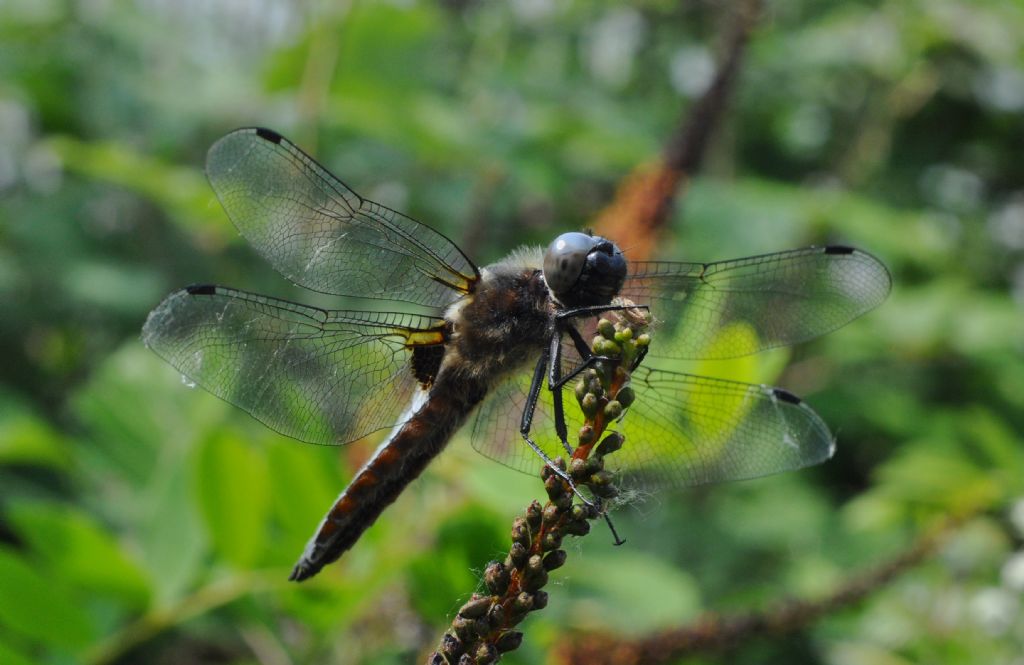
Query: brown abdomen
397, 462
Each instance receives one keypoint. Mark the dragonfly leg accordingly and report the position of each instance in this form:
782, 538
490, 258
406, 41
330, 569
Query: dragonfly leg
594, 309
555, 386
589, 358
639, 358
611, 526
527, 422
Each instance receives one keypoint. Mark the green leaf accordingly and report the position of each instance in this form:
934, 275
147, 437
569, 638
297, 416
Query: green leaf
182, 191
656, 593
451, 569
172, 535
25, 438
304, 485
10, 656
78, 550
39, 607
231, 484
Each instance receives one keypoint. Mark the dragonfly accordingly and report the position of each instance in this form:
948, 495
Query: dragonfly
492, 344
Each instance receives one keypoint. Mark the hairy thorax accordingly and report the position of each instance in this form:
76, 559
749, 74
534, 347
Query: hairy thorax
501, 326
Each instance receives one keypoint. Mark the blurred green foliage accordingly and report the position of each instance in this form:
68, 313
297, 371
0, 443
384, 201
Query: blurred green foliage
144, 522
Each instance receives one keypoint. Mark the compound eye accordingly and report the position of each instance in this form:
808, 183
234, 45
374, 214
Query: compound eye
565, 258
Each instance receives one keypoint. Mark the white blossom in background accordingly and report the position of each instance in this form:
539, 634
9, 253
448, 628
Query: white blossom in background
953, 188
610, 45
15, 134
532, 11
995, 609
807, 128
1012, 573
1017, 516
1006, 223
691, 70
1001, 88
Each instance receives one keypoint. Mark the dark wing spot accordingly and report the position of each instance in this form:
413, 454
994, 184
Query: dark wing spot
426, 362
839, 249
268, 134
785, 396
201, 290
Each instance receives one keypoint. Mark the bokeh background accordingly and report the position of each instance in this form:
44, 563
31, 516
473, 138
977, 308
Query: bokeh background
141, 521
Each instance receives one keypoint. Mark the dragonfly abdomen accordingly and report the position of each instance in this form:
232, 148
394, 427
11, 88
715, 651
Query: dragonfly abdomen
397, 462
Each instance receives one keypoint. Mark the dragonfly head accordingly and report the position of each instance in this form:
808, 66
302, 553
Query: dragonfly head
584, 270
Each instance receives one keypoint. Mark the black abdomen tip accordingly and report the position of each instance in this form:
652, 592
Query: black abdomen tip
839, 249
201, 290
785, 396
268, 134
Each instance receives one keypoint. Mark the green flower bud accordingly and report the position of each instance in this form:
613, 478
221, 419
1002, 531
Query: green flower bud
606, 328
581, 390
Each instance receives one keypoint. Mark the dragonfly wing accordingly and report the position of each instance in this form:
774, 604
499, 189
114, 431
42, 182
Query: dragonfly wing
686, 430
321, 235
326, 377
683, 430
497, 422
734, 308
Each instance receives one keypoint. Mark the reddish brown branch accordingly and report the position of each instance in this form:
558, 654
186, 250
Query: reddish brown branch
646, 197
721, 633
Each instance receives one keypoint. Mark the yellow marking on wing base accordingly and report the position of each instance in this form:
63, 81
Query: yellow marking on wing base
423, 337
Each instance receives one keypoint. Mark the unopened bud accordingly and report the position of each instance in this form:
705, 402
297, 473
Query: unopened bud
610, 444
496, 577
475, 607
509, 641
554, 559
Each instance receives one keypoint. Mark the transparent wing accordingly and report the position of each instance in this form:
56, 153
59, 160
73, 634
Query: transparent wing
734, 308
683, 430
321, 235
326, 377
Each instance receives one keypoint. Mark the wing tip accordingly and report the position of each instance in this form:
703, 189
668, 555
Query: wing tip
786, 396
839, 249
268, 135
201, 289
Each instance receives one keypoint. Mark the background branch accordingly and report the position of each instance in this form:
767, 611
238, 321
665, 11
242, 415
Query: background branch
721, 633
646, 197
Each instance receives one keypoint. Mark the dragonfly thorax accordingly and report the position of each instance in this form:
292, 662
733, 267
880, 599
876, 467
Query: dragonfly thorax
584, 270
